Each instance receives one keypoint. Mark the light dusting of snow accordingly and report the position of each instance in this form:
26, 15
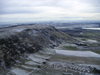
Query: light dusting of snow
18, 71
31, 63
18, 30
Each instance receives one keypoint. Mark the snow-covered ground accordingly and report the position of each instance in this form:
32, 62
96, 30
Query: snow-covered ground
18, 71
30, 65
77, 53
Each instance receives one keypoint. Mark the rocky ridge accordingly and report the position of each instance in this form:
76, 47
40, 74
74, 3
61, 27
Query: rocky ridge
18, 40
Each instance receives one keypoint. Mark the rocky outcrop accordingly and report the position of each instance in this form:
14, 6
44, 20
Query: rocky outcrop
16, 41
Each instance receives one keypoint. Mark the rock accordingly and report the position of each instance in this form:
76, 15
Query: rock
29, 40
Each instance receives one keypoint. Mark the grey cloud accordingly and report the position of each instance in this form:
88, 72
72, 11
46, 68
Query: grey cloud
50, 8
15, 5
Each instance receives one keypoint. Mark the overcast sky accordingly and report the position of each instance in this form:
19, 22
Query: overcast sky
48, 10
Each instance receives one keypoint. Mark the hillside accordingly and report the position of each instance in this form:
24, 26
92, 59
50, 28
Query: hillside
18, 40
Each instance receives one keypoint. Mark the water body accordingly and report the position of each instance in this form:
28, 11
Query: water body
92, 28
77, 53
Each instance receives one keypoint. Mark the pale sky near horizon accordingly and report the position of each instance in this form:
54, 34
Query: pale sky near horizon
16, 11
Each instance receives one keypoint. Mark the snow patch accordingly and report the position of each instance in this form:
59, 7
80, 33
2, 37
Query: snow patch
92, 41
35, 59
18, 71
18, 30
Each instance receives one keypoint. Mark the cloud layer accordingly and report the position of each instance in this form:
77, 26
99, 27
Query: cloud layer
41, 10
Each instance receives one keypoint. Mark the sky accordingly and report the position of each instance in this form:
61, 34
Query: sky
17, 11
